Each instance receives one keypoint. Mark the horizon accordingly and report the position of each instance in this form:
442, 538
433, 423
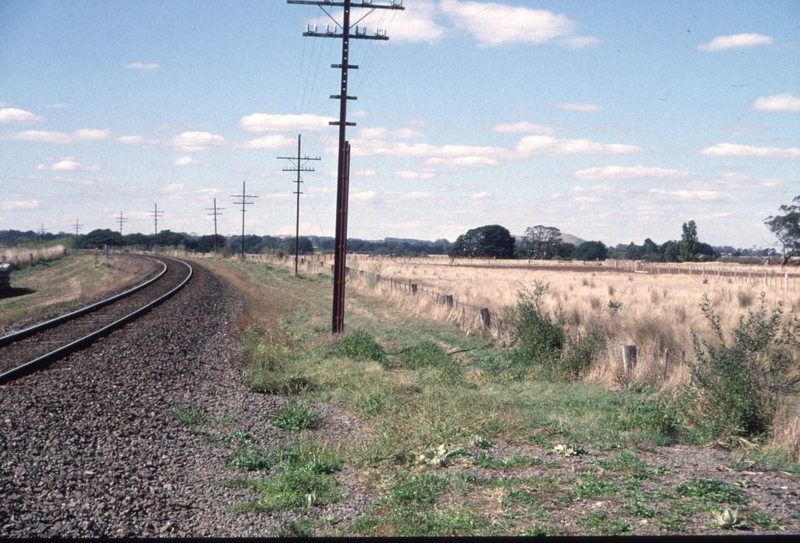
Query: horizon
615, 122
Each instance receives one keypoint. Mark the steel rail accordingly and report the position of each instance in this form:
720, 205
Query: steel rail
22, 334
52, 356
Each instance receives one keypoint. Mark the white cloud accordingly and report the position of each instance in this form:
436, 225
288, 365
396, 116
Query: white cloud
186, 161
142, 66
785, 103
417, 196
84, 135
629, 172
735, 41
364, 173
547, 145
578, 42
692, 195
138, 141
496, 24
13, 205
383, 133
580, 108
56, 106
481, 195
409, 174
266, 122
739, 181
365, 196
523, 126
18, 116
192, 142
68, 164
472, 161
416, 25
269, 142
735, 149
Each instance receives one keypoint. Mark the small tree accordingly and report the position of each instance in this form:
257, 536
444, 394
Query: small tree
590, 250
786, 228
689, 240
540, 242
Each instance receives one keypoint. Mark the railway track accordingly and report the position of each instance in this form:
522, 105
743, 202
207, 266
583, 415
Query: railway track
33, 348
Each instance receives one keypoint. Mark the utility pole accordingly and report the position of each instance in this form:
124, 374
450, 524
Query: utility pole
244, 196
348, 31
121, 220
215, 211
77, 230
156, 214
41, 233
298, 168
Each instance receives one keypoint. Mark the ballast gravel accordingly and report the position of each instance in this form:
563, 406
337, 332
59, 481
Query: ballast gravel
101, 444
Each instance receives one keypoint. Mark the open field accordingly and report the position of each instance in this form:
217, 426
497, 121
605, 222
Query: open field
51, 285
19, 257
443, 440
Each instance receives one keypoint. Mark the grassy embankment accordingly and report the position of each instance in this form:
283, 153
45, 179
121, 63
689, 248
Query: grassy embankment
48, 285
432, 398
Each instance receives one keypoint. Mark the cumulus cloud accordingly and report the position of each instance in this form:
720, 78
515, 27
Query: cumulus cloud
735, 41
18, 116
417, 196
138, 141
269, 142
266, 122
692, 195
736, 149
784, 103
524, 127
368, 196
497, 24
186, 161
14, 205
580, 108
142, 66
68, 164
416, 25
84, 135
481, 195
192, 142
383, 133
629, 172
420, 174
739, 181
547, 145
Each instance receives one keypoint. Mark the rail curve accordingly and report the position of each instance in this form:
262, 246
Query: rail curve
27, 350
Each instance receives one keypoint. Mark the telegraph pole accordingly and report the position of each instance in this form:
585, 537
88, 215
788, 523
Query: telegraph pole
216, 213
348, 32
244, 196
77, 230
298, 168
156, 214
41, 234
122, 220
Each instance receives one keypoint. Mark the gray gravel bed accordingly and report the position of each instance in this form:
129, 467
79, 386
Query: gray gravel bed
93, 445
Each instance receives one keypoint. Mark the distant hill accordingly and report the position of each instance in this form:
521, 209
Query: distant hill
569, 238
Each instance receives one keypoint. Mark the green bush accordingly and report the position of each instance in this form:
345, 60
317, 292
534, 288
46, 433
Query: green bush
296, 418
359, 345
424, 354
735, 382
541, 339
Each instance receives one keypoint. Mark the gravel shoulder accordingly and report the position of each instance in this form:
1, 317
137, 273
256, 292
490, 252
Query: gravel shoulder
93, 446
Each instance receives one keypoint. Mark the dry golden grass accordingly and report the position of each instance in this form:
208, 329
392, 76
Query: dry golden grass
24, 257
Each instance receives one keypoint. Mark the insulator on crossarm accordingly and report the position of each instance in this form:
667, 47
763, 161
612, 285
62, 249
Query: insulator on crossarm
307, 28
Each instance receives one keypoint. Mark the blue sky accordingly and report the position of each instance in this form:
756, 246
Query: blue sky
612, 121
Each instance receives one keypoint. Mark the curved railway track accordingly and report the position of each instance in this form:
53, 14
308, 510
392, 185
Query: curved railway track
27, 350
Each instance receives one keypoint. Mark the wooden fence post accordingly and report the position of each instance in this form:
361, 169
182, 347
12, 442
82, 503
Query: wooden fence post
486, 318
629, 357
666, 362
448, 299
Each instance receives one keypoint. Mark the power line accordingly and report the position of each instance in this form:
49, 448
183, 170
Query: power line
77, 230
344, 31
244, 196
121, 220
300, 162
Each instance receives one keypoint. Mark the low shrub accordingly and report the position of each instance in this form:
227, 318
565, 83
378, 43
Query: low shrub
359, 345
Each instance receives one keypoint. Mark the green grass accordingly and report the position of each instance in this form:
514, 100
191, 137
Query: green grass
393, 372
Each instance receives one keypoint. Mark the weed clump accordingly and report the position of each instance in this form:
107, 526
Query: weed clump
542, 341
359, 345
735, 383
297, 417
